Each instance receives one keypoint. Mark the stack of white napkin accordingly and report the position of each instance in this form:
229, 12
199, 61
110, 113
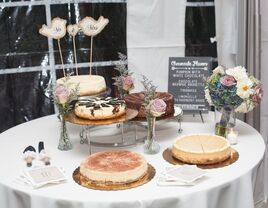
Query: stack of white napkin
37, 177
181, 175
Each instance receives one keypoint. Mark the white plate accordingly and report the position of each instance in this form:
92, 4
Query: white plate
161, 181
185, 173
44, 175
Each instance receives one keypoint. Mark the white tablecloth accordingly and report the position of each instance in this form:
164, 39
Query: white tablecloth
228, 187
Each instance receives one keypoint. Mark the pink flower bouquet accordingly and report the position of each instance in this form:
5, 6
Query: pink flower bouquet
128, 83
233, 88
63, 96
124, 81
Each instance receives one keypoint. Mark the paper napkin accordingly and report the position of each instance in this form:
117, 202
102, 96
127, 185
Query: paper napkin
185, 175
37, 177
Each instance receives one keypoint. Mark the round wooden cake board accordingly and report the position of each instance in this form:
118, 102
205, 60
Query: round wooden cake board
167, 155
109, 186
72, 118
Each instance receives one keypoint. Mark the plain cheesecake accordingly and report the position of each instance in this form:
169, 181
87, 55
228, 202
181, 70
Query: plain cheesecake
201, 149
88, 84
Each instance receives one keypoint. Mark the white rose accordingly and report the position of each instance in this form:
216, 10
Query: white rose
245, 107
219, 70
239, 73
208, 97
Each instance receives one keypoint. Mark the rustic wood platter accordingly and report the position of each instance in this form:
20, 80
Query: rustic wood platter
167, 155
130, 114
108, 186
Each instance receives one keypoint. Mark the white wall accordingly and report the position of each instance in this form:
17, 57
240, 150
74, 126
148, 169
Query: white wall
155, 32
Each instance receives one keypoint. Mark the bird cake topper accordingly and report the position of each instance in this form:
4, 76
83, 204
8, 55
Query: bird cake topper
72, 29
56, 30
91, 28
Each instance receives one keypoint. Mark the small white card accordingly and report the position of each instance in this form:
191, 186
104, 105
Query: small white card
44, 175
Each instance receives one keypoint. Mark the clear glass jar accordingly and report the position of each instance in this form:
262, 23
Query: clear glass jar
151, 146
64, 142
224, 120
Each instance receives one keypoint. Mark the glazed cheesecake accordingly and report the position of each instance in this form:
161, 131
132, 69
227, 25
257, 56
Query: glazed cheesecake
114, 167
201, 149
100, 108
136, 100
88, 84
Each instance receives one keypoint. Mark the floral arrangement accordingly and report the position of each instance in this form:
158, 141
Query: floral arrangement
233, 88
154, 107
125, 81
63, 96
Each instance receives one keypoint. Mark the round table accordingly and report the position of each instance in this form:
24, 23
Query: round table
231, 186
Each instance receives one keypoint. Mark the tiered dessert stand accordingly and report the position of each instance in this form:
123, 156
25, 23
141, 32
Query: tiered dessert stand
122, 126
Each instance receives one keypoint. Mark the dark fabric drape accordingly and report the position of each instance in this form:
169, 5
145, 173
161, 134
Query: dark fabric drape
23, 52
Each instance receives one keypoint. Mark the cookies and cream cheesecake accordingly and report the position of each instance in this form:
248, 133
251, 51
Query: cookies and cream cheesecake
88, 84
120, 166
100, 108
201, 149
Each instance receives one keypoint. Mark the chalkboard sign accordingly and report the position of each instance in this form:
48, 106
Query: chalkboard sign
186, 81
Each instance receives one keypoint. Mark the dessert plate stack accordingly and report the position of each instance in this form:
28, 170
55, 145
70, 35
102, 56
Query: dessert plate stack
37, 177
185, 175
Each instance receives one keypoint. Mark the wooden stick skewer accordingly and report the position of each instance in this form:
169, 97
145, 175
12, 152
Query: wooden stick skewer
91, 48
75, 58
61, 58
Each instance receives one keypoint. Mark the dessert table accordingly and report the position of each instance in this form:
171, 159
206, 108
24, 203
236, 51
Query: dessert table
231, 186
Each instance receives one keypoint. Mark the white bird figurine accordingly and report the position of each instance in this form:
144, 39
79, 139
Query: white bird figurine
91, 27
72, 29
56, 30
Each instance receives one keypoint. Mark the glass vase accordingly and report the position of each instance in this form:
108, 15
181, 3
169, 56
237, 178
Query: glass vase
64, 142
151, 146
225, 119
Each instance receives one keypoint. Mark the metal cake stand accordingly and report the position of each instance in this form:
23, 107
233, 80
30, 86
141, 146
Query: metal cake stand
126, 130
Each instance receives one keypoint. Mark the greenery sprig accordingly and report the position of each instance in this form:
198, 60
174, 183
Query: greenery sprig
149, 90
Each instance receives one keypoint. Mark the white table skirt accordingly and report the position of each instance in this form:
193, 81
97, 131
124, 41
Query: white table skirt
228, 187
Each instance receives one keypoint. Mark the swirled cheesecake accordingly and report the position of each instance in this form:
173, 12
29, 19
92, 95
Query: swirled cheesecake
201, 149
100, 108
120, 166
136, 101
88, 84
